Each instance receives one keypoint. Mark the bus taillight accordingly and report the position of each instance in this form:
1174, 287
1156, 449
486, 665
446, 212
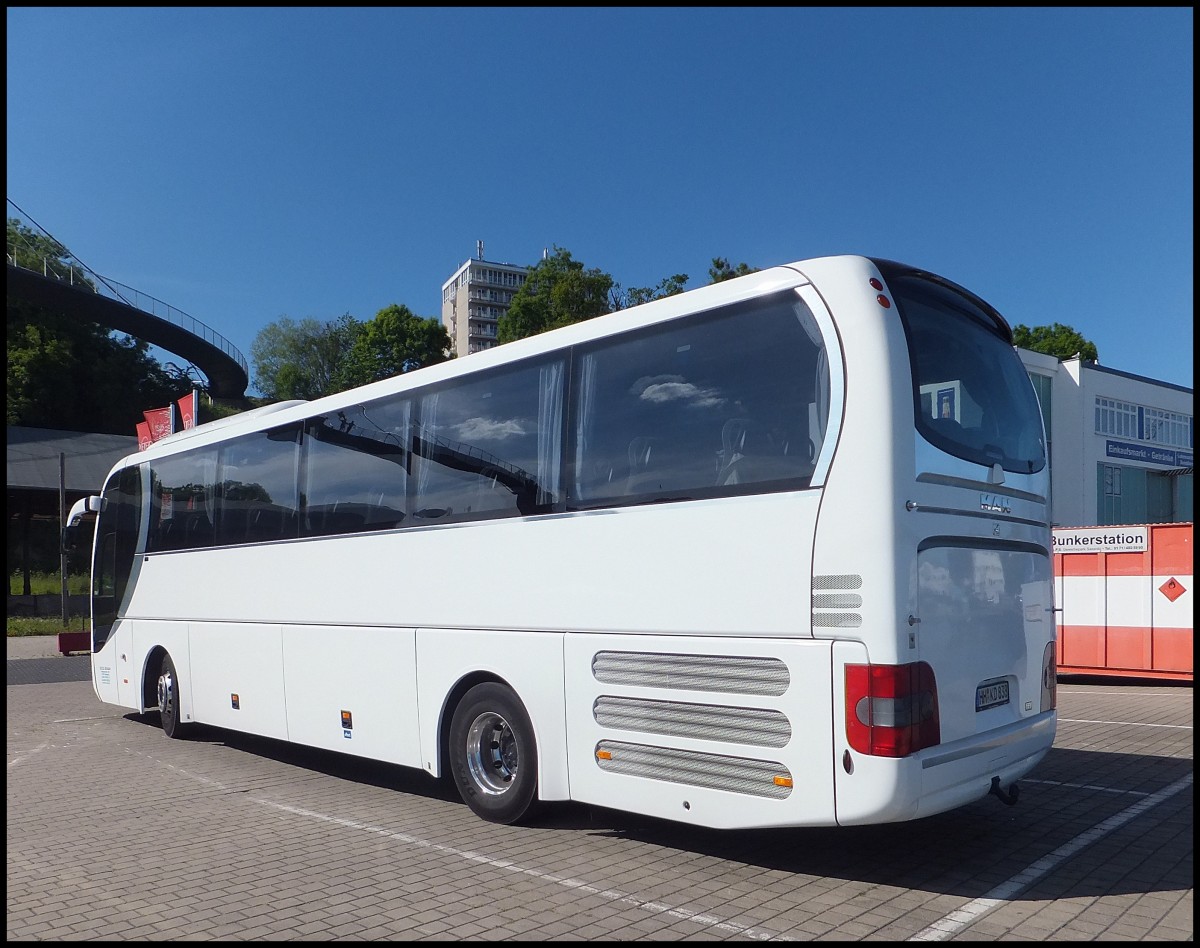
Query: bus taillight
891, 710
1050, 677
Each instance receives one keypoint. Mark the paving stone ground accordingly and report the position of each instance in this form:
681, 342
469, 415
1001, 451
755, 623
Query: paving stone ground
113, 831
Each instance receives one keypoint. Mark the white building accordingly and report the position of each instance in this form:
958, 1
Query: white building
475, 297
1120, 444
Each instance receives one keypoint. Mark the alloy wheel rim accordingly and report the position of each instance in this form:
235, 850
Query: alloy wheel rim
492, 754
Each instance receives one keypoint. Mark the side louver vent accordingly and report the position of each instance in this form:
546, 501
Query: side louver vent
755, 726
833, 598
720, 673
760, 778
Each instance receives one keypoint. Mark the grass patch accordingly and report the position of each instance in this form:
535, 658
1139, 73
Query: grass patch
46, 625
47, 584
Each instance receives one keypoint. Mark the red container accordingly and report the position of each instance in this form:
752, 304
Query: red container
69, 642
1125, 594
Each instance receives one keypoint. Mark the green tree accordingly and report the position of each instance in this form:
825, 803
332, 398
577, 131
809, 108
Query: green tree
559, 291
43, 254
67, 373
71, 374
301, 359
1062, 342
396, 340
721, 270
636, 295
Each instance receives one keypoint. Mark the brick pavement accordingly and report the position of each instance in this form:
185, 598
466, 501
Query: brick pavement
116, 832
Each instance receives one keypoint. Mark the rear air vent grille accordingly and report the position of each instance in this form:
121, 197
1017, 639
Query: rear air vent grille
760, 778
742, 675
756, 726
833, 600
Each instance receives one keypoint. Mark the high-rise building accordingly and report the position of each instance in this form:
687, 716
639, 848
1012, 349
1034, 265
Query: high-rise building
475, 297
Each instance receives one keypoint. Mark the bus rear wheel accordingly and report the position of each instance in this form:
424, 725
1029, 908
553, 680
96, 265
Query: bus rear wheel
168, 699
493, 755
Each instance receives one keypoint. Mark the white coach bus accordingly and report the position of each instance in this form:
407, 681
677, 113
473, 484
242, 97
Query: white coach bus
772, 552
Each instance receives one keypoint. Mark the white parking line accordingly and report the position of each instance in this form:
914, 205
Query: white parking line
1181, 727
1085, 786
657, 908
18, 760
955, 922
1130, 694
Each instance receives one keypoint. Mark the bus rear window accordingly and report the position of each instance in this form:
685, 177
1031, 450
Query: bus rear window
971, 394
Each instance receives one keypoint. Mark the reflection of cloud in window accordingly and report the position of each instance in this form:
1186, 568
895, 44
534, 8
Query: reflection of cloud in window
488, 429
661, 389
935, 579
989, 574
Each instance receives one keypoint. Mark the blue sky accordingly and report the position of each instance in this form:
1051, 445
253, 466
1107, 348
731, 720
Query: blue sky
243, 165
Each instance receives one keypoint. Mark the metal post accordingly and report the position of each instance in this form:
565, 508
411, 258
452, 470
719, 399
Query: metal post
62, 522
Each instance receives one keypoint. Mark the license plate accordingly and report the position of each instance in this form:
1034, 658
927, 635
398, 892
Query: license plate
991, 695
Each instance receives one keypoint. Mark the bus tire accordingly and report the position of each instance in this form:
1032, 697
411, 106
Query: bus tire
168, 699
493, 754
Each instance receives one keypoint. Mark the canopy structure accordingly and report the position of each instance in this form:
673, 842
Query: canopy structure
41, 461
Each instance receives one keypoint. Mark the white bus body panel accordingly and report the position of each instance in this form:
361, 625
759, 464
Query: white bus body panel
530, 663
670, 755
611, 566
111, 671
892, 506
255, 677
370, 673
952, 774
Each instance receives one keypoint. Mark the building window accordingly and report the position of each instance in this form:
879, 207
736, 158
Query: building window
1166, 427
1138, 423
1110, 509
1140, 495
1116, 418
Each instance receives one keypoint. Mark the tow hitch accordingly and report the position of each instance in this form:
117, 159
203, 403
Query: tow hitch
1009, 797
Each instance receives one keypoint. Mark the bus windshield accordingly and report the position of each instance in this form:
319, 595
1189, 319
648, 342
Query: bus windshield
972, 397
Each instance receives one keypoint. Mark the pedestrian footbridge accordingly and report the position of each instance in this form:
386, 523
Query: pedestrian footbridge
69, 287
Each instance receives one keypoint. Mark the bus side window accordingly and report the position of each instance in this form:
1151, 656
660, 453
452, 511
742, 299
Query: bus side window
712, 404
258, 476
643, 464
356, 468
182, 501
490, 447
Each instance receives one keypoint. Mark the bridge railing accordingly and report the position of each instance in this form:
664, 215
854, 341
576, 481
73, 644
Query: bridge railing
70, 271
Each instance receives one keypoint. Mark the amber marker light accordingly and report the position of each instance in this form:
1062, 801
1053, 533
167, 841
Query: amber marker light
603, 755
781, 781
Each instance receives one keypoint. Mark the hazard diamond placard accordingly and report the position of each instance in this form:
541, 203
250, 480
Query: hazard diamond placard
1172, 589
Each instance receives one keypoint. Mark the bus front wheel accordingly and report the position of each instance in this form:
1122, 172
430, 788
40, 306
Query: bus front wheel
168, 699
493, 755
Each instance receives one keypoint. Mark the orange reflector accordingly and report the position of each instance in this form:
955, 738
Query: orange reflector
783, 781
603, 755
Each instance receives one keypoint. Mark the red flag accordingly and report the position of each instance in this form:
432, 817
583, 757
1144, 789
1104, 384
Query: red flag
159, 420
187, 410
145, 438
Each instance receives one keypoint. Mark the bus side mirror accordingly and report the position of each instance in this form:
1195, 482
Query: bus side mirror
70, 538
84, 507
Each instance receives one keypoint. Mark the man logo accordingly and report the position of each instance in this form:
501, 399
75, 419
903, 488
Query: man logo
993, 503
